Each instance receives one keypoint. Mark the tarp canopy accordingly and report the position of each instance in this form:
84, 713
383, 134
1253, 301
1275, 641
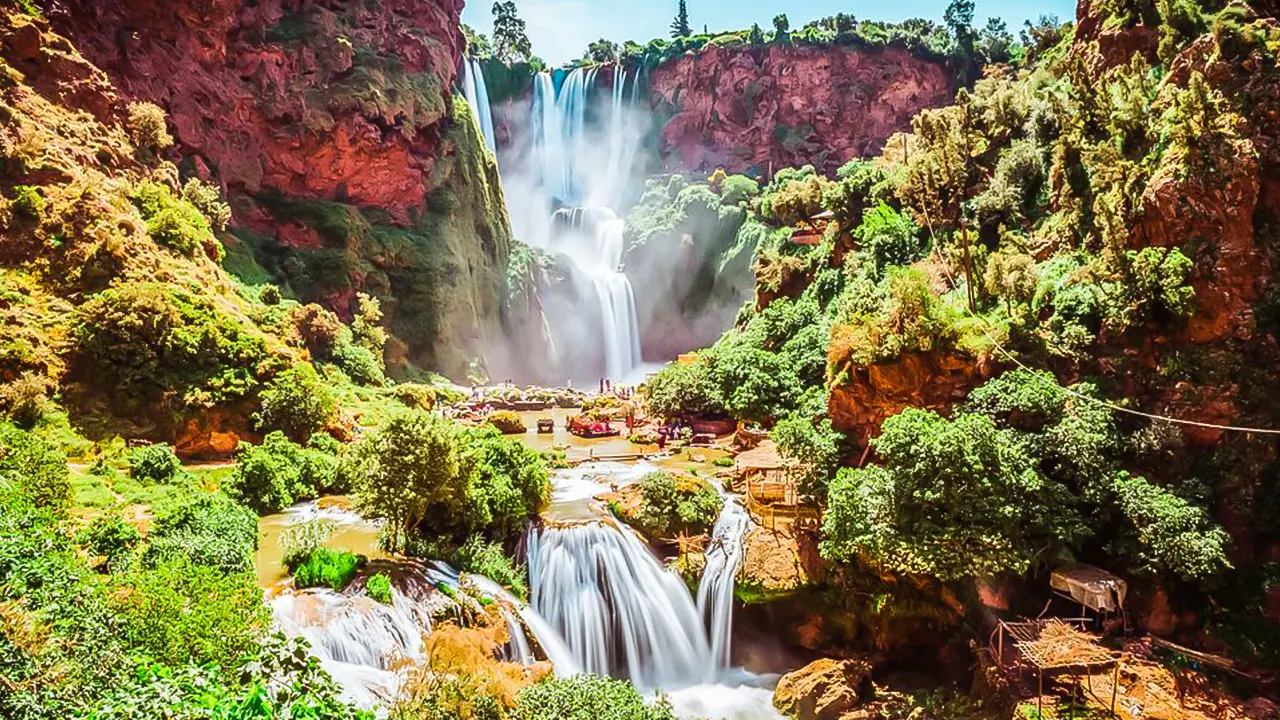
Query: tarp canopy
1092, 587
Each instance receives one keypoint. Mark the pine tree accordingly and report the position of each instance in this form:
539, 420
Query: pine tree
680, 26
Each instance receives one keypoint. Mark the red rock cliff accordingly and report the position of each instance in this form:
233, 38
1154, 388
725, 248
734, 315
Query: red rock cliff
256, 89
774, 107
332, 127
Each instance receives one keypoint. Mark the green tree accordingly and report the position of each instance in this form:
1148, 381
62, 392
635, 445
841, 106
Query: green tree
404, 468
680, 26
958, 17
297, 402
366, 328
781, 28
1171, 533
996, 41
510, 43
815, 447
154, 464
954, 498
602, 51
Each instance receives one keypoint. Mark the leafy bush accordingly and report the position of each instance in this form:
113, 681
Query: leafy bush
28, 203
147, 127
815, 446
1172, 533
334, 569
25, 400
172, 221
685, 390
492, 561
279, 472
35, 468
181, 613
206, 530
109, 536
297, 402
507, 422
208, 200
378, 587
891, 237
361, 364
587, 697
154, 465
671, 506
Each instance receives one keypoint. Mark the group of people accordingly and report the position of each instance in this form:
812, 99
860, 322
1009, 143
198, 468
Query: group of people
669, 431
622, 392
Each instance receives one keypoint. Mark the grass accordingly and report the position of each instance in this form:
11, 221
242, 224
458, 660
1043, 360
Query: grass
91, 491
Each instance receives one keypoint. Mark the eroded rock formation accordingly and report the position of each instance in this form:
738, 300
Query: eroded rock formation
773, 107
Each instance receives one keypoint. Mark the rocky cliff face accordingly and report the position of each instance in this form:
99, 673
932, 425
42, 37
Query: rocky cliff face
774, 107
332, 128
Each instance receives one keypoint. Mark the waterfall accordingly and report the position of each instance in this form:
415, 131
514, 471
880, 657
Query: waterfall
477, 94
586, 174
618, 609
715, 590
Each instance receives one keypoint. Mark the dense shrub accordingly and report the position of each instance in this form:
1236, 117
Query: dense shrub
360, 363
35, 468
25, 400
334, 569
154, 465
181, 613
685, 390
671, 506
507, 422
297, 402
111, 537
587, 697
423, 474
205, 530
378, 587
279, 472
172, 221
147, 127
208, 200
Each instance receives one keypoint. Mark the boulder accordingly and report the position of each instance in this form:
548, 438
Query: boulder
824, 690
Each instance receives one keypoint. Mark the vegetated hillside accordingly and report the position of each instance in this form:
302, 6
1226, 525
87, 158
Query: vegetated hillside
1105, 216
332, 130
115, 301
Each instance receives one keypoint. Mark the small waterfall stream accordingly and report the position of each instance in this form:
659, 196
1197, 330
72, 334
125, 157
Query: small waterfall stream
601, 603
477, 95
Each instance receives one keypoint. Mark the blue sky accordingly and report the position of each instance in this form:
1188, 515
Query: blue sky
560, 30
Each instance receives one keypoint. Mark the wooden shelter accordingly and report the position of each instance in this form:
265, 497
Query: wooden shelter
765, 477
1054, 647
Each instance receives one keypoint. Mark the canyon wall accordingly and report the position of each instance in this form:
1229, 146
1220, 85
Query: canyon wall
332, 128
766, 108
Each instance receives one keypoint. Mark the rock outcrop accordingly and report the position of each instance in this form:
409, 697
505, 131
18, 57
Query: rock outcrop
876, 392
332, 128
773, 107
824, 690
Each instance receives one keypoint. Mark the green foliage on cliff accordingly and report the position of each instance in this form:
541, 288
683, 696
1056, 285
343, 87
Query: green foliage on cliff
671, 506
1022, 476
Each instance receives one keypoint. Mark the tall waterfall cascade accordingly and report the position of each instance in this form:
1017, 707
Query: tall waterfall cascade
581, 159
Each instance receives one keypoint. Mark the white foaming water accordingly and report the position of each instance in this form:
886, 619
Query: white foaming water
358, 641
619, 610
477, 94
715, 590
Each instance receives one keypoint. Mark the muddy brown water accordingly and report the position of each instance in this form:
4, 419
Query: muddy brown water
355, 534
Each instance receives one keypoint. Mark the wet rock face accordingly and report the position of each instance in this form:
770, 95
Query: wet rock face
773, 107
824, 690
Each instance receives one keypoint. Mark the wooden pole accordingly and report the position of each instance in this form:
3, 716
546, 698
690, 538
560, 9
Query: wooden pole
1115, 686
1040, 695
